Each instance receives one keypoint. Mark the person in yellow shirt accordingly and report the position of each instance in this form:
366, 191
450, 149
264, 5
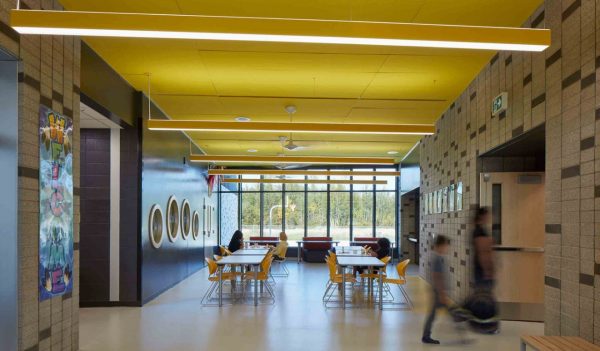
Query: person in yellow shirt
281, 249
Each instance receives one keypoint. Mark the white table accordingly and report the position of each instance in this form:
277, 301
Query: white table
243, 260
251, 252
348, 251
355, 261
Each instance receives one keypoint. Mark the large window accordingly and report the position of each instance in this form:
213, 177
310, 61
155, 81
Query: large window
250, 214
340, 211
316, 210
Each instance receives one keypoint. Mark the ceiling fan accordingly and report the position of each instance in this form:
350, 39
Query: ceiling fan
288, 143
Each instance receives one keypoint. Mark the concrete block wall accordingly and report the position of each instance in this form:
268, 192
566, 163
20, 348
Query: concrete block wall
408, 224
556, 87
49, 75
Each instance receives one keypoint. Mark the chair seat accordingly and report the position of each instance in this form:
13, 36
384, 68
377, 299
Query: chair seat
226, 276
394, 281
260, 276
349, 279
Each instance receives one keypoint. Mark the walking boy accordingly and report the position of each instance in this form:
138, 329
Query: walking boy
440, 288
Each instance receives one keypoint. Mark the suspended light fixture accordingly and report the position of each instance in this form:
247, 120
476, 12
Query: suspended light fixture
303, 172
375, 161
136, 25
305, 181
276, 127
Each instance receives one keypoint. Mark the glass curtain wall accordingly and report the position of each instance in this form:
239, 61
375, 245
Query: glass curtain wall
340, 211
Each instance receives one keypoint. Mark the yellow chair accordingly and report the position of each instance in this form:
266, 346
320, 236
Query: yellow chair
213, 277
385, 260
335, 278
263, 275
400, 282
225, 251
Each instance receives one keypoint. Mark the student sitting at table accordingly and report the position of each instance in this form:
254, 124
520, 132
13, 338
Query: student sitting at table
383, 250
281, 249
236, 242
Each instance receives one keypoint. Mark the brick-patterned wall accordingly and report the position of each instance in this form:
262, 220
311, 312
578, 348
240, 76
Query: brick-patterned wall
49, 74
557, 87
408, 224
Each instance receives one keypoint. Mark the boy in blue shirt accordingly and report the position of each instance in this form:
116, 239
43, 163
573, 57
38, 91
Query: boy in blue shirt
439, 277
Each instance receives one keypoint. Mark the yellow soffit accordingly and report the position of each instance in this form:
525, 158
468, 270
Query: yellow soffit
266, 127
305, 181
300, 172
109, 24
376, 161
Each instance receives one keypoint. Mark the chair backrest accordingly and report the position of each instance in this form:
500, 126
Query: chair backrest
385, 260
212, 266
217, 257
265, 265
331, 266
401, 268
224, 251
318, 245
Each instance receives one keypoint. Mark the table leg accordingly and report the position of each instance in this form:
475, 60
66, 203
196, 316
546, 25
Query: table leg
299, 245
220, 286
255, 285
523, 346
381, 289
343, 288
370, 284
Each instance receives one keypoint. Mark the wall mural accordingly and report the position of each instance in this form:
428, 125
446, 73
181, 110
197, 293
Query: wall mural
56, 204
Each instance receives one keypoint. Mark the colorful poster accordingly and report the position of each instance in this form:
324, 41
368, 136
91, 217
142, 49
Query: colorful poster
56, 204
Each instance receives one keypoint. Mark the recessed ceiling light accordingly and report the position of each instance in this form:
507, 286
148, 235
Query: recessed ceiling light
252, 150
242, 119
392, 152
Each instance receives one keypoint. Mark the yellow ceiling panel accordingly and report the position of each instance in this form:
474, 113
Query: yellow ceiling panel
216, 80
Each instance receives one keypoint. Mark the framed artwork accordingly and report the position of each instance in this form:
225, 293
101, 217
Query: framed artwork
55, 269
459, 196
451, 192
439, 200
445, 199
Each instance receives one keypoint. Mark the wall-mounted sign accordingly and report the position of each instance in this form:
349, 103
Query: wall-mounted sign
500, 104
56, 204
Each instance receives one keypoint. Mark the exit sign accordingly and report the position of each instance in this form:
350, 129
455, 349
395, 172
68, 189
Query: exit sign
499, 104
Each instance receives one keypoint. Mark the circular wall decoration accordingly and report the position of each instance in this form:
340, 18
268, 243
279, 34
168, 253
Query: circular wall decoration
155, 226
195, 225
172, 218
186, 219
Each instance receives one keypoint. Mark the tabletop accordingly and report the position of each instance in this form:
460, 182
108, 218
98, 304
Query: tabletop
251, 252
347, 251
241, 260
368, 261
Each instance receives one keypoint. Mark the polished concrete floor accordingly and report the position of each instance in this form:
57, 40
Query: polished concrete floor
298, 321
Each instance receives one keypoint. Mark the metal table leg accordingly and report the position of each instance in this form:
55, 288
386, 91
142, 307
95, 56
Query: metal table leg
220, 286
255, 285
299, 247
343, 287
381, 288
523, 346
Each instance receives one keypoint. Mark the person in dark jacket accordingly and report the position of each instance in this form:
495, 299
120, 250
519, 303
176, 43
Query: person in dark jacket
483, 260
236, 242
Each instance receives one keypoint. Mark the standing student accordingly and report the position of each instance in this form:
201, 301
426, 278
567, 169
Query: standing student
483, 265
281, 249
439, 276
236, 242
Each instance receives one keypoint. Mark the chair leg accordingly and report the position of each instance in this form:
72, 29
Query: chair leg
327, 287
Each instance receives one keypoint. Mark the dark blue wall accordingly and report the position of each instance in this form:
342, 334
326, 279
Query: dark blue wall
165, 173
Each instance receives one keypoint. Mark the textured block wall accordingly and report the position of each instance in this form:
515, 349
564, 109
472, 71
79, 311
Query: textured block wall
557, 87
49, 74
408, 224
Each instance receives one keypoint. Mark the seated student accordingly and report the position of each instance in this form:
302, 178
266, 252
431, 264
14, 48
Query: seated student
236, 242
281, 249
384, 250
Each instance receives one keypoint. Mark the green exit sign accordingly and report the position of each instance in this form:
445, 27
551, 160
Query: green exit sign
499, 104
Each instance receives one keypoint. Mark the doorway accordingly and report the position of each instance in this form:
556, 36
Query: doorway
511, 185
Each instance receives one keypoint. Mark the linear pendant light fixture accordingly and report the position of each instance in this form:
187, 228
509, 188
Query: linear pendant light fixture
276, 127
304, 181
301, 172
136, 25
375, 161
